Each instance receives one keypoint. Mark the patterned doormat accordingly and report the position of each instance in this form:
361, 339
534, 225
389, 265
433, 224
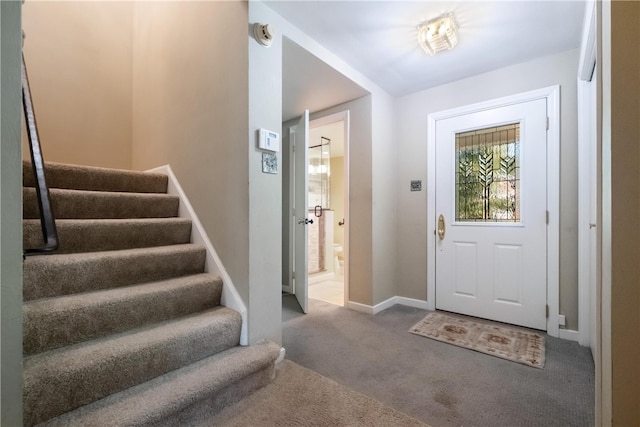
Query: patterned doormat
511, 343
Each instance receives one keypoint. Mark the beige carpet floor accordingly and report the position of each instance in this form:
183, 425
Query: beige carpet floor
300, 397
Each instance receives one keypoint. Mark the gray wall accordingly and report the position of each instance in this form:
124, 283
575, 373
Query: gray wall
265, 190
10, 217
411, 117
383, 205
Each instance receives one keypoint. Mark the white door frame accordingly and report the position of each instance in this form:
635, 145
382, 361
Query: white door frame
590, 149
326, 120
587, 167
552, 95
343, 116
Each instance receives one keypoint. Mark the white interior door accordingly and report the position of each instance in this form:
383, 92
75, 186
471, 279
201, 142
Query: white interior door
491, 214
300, 142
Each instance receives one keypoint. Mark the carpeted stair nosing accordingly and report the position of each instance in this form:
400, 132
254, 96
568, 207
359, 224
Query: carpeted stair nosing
54, 275
94, 178
51, 323
160, 399
82, 235
78, 204
63, 379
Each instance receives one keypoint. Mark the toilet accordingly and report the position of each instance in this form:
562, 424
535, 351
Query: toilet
338, 259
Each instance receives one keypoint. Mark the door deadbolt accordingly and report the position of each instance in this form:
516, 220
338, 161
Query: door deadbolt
305, 221
441, 227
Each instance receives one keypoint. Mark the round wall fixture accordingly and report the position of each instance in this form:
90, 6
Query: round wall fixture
264, 34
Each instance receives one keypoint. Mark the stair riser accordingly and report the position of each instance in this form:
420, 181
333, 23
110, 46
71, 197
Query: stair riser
54, 275
56, 322
202, 410
96, 179
69, 204
107, 235
69, 380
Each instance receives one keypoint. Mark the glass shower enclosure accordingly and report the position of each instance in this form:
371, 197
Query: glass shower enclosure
319, 171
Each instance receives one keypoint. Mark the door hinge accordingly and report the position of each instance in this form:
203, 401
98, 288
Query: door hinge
293, 147
293, 276
547, 217
547, 123
547, 310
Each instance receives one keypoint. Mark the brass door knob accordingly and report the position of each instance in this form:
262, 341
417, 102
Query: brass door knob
441, 227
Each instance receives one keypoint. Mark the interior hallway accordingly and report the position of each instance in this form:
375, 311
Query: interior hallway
438, 383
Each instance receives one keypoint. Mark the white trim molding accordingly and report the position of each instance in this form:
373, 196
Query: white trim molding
552, 95
281, 356
587, 166
368, 309
230, 296
569, 334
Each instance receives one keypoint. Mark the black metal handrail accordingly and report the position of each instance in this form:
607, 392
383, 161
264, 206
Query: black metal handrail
47, 221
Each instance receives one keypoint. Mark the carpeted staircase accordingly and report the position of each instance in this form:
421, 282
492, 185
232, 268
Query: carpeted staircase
122, 325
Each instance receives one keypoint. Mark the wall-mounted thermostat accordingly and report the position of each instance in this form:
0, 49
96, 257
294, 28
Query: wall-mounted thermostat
269, 140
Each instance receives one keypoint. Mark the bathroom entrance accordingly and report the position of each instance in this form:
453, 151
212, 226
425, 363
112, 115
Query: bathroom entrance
327, 200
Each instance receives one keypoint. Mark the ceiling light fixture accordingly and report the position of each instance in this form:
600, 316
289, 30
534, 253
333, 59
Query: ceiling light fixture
438, 34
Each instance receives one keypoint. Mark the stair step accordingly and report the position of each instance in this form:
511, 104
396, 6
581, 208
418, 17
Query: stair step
61, 380
55, 275
79, 204
82, 235
51, 323
75, 177
163, 400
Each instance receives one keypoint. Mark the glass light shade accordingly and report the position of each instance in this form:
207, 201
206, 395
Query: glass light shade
438, 34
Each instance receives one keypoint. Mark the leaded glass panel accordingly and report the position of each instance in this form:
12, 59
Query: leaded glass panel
488, 174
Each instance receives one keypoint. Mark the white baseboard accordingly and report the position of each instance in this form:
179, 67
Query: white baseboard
287, 289
569, 334
410, 302
565, 334
362, 308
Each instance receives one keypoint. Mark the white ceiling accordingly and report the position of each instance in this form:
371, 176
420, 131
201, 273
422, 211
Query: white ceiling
378, 38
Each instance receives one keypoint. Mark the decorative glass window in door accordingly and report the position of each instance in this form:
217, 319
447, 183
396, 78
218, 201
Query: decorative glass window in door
488, 174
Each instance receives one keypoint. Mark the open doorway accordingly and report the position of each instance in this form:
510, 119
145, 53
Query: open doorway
328, 200
308, 83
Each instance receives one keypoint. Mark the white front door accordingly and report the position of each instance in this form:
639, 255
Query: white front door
299, 140
491, 214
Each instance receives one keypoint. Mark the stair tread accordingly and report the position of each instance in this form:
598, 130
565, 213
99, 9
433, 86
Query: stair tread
79, 204
153, 401
97, 270
63, 379
60, 175
122, 325
55, 322
89, 235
